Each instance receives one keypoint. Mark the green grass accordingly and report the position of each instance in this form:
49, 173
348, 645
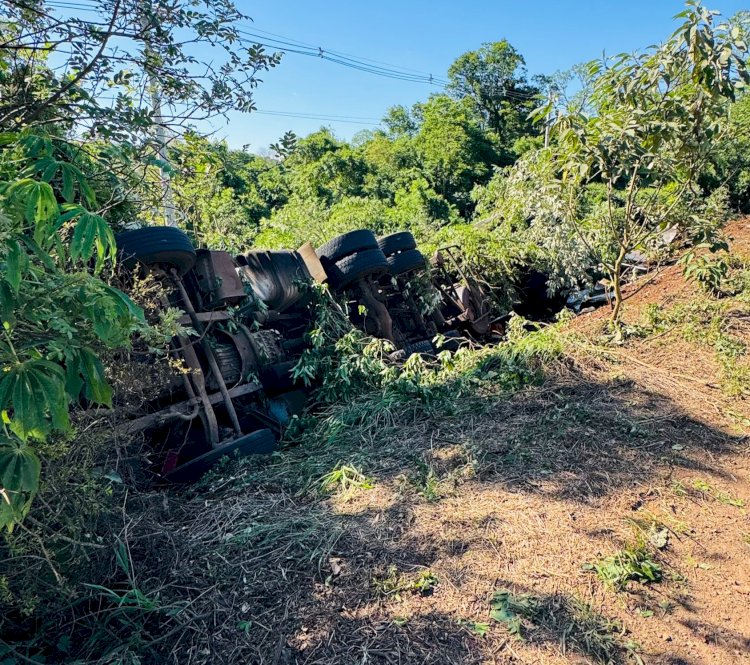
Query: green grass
711, 322
427, 483
393, 583
704, 487
344, 479
564, 620
633, 563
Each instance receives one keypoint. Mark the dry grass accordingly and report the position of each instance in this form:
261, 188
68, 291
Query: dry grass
528, 490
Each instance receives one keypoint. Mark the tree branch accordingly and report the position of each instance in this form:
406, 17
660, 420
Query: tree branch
81, 74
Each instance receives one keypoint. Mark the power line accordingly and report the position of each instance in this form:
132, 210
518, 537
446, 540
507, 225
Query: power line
321, 53
326, 115
287, 44
321, 118
338, 56
291, 45
341, 53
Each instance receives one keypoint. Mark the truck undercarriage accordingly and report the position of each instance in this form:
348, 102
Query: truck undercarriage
245, 323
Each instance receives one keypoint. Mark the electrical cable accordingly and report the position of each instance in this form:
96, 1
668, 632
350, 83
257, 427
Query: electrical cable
287, 44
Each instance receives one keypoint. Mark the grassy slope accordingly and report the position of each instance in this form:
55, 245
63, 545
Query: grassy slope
385, 538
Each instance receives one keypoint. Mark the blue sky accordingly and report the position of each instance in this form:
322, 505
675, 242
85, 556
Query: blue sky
426, 36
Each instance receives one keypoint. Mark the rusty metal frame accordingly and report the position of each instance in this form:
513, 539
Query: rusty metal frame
481, 323
192, 361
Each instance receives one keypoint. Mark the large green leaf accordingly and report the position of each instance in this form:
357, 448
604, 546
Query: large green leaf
69, 174
16, 263
113, 315
19, 467
37, 199
7, 303
86, 372
92, 234
35, 392
14, 506
41, 203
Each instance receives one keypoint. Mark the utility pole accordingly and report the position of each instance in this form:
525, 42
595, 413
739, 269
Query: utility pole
160, 133
161, 140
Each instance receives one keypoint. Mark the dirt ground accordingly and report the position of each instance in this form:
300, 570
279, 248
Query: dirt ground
517, 495
563, 473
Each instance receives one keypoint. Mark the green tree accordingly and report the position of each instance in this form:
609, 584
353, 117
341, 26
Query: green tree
658, 117
76, 143
399, 121
454, 153
730, 161
57, 312
323, 167
111, 64
223, 194
494, 79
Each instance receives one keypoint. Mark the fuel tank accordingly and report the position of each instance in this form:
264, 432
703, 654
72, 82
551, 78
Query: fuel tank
278, 277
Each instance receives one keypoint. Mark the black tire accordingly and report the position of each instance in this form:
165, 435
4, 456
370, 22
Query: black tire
411, 259
346, 245
259, 442
397, 242
156, 245
352, 268
425, 347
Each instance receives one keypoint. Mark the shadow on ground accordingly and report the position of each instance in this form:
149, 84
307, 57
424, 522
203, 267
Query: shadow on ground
251, 573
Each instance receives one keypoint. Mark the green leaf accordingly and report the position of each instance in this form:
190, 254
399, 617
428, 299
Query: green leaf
86, 192
14, 506
16, 263
41, 204
8, 138
35, 391
43, 256
67, 176
48, 167
96, 388
73, 380
7, 303
131, 308
123, 560
92, 234
480, 628
19, 467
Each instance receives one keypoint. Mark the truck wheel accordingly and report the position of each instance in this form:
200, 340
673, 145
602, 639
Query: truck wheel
156, 245
411, 259
397, 242
357, 266
424, 348
259, 442
346, 245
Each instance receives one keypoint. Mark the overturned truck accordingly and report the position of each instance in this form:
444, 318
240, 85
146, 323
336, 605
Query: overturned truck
245, 323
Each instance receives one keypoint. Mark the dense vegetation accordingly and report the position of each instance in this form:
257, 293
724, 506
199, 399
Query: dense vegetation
651, 142
519, 171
